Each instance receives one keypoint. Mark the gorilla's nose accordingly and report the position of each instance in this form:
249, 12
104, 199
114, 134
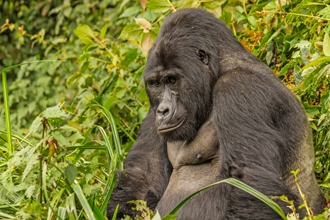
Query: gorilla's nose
164, 110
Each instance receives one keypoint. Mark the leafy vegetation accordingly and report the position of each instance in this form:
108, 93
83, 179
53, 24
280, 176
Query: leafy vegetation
74, 117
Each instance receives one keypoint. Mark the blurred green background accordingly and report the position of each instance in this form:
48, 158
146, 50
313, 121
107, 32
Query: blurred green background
75, 116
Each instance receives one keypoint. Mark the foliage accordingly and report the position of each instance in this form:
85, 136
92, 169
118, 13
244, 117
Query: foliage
74, 119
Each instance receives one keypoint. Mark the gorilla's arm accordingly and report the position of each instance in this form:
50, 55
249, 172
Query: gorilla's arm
146, 171
255, 117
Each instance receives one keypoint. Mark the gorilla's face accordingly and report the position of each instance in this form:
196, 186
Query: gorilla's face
164, 90
179, 87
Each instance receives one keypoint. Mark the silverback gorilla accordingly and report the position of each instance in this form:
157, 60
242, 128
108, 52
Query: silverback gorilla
216, 112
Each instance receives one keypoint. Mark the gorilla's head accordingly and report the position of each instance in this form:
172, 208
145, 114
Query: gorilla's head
181, 71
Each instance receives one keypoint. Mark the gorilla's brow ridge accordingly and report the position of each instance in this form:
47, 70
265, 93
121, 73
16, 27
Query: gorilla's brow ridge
164, 73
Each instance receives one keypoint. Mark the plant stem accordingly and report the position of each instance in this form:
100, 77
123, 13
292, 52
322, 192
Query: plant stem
6, 103
296, 14
302, 195
40, 173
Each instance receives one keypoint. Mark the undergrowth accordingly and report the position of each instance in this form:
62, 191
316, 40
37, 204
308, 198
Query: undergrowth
71, 121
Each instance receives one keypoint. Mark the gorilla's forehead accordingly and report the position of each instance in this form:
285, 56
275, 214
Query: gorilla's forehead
166, 56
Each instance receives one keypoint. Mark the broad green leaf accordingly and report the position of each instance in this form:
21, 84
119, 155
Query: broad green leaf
130, 11
252, 21
271, 6
159, 5
67, 11
226, 16
142, 95
303, 44
142, 112
83, 57
84, 67
83, 31
150, 15
61, 139
110, 102
311, 110
30, 165
72, 78
191, 4
269, 57
154, 32
211, 5
71, 173
35, 125
54, 112
86, 41
121, 93
132, 32
103, 31
121, 83
326, 45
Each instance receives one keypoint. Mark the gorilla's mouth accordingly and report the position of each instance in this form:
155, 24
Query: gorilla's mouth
172, 128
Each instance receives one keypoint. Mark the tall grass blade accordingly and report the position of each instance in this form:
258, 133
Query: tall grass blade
70, 205
240, 185
112, 123
106, 140
108, 190
115, 162
54, 203
97, 212
6, 215
114, 217
18, 136
44, 180
7, 113
61, 213
83, 201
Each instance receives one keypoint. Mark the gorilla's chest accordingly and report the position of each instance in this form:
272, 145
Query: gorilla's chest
195, 165
196, 153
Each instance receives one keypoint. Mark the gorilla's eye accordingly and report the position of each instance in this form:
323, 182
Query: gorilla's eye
171, 80
153, 82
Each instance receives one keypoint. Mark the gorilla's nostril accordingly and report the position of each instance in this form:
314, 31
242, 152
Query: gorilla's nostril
165, 112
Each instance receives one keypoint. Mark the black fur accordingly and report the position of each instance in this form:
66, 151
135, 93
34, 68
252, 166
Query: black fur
240, 121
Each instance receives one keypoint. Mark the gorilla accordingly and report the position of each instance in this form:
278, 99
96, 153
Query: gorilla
216, 112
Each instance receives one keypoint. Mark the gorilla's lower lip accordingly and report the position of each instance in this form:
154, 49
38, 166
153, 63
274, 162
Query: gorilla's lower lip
167, 129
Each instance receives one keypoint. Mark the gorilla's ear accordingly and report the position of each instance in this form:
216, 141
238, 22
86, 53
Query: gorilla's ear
203, 57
